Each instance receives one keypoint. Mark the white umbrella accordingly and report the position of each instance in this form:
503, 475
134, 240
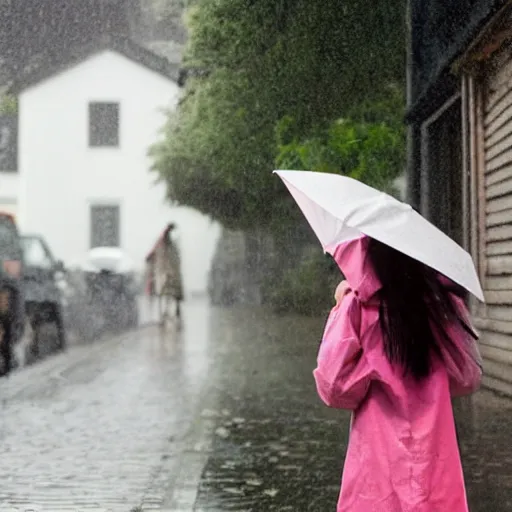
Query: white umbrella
340, 209
108, 258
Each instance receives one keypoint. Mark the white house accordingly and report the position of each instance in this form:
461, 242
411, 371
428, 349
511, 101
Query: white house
84, 175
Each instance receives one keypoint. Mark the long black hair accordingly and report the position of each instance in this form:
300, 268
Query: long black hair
413, 304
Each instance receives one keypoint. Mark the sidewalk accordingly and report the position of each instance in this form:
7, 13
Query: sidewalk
102, 426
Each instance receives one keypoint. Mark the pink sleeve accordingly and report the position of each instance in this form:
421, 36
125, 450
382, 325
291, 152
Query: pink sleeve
463, 360
342, 375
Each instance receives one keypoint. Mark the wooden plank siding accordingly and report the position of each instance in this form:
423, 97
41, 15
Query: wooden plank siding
493, 167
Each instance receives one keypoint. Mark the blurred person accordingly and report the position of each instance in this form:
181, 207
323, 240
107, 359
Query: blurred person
164, 278
396, 348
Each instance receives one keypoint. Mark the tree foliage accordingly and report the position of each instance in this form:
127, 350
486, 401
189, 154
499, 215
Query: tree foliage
368, 146
264, 63
8, 104
307, 289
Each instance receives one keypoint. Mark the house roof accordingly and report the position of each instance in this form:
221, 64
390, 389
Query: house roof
74, 56
442, 31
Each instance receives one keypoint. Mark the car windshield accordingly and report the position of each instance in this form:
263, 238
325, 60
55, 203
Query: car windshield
35, 254
9, 240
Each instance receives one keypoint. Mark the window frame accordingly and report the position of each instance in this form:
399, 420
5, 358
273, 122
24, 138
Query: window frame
99, 206
95, 126
433, 191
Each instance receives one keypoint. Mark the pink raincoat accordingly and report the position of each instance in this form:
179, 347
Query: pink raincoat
402, 454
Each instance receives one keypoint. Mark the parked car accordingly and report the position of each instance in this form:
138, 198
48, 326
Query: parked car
43, 295
12, 308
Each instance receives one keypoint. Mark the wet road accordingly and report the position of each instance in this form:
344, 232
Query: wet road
222, 417
285, 451
102, 426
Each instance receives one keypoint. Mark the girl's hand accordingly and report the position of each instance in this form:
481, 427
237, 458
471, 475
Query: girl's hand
341, 290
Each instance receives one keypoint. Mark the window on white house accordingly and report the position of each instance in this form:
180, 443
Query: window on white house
105, 226
103, 124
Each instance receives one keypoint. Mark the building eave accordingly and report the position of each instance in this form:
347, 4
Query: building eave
423, 103
75, 56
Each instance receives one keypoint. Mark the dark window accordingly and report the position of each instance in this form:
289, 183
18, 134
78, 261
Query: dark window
103, 125
443, 172
105, 226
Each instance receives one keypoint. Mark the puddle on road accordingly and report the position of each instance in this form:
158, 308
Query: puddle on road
273, 463
277, 448
486, 449
293, 462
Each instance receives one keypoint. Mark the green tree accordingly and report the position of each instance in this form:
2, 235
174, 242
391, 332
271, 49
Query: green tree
8, 104
264, 63
368, 146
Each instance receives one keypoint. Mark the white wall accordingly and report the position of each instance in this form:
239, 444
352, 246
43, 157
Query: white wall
60, 176
9, 191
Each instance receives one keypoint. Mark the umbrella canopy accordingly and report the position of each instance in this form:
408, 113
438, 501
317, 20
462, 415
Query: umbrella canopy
340, 209
108, 258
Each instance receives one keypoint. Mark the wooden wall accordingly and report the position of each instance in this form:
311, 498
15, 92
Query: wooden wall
494, 229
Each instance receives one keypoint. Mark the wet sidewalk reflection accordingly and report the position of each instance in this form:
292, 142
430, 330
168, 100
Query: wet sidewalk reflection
485, 435
276, 447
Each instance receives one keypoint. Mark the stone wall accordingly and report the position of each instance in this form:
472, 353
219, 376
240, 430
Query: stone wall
234, 276
246, 263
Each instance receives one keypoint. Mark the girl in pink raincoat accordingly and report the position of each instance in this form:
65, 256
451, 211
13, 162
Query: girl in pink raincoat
396, 348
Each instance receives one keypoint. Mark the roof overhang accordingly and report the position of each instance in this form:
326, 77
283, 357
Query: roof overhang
126, 47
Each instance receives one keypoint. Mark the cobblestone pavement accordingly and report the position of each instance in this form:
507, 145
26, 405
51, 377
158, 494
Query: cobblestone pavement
103, 426
223, 417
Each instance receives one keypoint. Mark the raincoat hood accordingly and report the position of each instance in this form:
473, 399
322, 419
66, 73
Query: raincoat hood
354, 262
